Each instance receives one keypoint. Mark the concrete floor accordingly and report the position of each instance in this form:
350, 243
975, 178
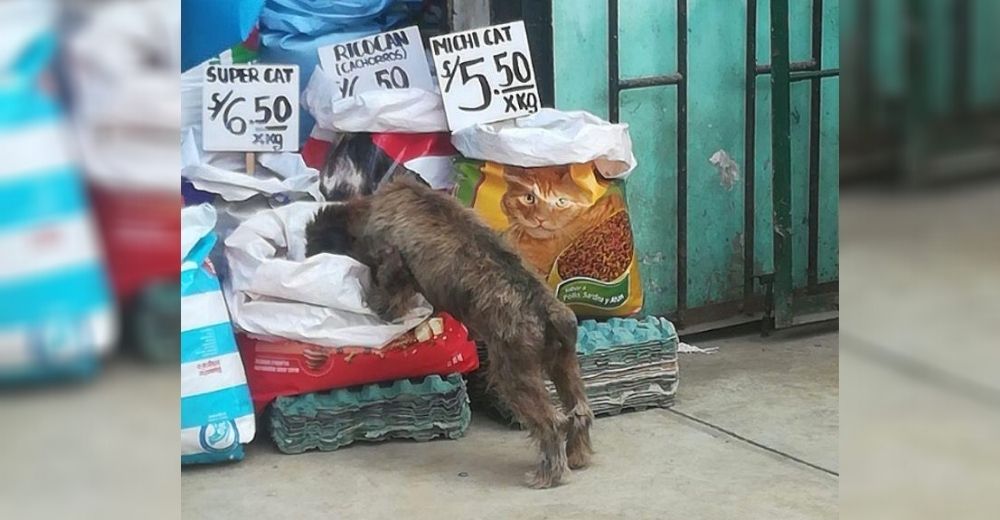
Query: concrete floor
920, 411
753, 435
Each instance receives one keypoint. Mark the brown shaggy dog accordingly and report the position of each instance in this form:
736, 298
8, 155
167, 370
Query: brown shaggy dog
416, 239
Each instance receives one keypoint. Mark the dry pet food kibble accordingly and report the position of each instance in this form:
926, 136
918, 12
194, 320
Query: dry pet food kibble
603, 253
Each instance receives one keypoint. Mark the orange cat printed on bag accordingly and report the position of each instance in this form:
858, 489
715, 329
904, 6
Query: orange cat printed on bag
567, 222
546, 209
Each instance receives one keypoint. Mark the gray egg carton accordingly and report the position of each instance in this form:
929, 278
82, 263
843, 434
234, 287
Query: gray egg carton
420, 410
626, 364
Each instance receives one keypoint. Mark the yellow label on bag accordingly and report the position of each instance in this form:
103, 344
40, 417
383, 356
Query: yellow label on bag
569, 223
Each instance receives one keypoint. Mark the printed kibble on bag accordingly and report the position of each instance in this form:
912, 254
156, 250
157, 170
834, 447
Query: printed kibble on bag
568, 223
612, 243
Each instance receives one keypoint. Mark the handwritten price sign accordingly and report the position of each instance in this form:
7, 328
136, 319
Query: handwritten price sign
485, 74
388, 60
251, 108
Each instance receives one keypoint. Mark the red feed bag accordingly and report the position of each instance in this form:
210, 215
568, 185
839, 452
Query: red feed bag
430, 155
141, 232
280, 368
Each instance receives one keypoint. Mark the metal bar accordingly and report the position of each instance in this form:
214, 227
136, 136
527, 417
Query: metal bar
814, 74
917, 95
821, 288
650, 81
795, 66
537, 17
781, 161
815, 115
613, 85
682, 256
866, 52
749, 152
961, 38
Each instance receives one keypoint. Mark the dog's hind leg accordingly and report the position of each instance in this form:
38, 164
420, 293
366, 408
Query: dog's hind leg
521, 386
566, 377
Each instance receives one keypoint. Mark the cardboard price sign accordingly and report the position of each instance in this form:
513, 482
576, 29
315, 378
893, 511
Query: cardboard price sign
393, 59
485, 74
250, 108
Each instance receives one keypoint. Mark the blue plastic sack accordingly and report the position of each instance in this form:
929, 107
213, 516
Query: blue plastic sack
216, 411
209, 27
292, 30
56, 314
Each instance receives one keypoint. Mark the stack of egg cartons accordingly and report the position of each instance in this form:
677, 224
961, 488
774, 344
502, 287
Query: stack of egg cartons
626, 364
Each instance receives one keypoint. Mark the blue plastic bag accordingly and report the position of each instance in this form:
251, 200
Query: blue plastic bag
216, 411
209, 27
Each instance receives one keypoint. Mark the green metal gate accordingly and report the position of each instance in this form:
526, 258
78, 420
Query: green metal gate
693, 77
927, 84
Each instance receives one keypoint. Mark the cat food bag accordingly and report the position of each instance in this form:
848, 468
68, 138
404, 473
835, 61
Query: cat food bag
569, 221
216, 412
57, 318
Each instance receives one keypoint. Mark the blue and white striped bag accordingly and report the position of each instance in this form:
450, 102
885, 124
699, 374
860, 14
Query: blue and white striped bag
216, 411
56, 312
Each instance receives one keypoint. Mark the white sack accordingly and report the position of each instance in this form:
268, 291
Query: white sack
224, 173
22, 22
277, 175
196, 222
407, 110
278, 293
123, 62
551, 137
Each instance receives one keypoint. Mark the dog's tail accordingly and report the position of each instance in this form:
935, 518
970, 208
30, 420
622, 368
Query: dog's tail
562, 325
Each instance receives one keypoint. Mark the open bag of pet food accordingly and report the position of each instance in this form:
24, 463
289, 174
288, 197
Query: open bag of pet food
291, 31
224, 178
304, 322
275, 292
278, 177
552, 183
216, 412
362, 141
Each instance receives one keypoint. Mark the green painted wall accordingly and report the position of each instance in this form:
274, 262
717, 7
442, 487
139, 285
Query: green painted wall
716, 118
889, 53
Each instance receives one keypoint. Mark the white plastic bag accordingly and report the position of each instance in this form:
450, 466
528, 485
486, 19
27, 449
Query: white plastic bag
550, 137
281, 176
123, 63
224, 173
408, 110
277, 293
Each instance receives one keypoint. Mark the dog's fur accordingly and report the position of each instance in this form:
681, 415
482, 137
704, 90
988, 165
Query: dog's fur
417, 240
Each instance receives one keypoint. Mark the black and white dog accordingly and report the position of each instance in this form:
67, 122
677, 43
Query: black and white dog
355, 166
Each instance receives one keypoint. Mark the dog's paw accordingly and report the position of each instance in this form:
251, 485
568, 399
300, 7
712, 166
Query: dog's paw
578, 459
546, 477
